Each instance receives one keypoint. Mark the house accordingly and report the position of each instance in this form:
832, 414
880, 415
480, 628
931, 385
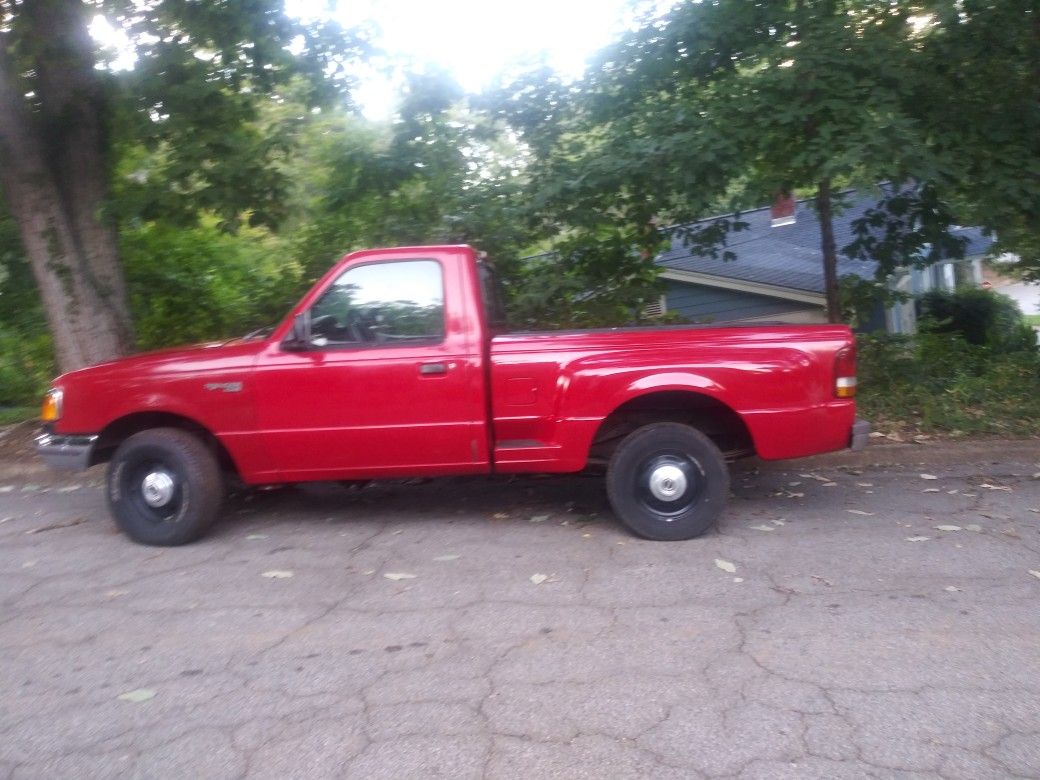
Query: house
778, 271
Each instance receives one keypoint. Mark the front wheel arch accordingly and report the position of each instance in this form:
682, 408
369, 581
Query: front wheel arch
122, 428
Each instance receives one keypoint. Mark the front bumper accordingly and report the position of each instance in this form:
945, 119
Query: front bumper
65, 452
860, 435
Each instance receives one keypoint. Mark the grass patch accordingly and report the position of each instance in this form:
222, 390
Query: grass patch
940, 383
17, 414
1032, 319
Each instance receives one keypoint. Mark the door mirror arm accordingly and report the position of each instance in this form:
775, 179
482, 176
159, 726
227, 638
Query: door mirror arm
299, 338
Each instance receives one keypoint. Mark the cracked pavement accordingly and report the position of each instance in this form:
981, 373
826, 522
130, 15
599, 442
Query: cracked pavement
837, 648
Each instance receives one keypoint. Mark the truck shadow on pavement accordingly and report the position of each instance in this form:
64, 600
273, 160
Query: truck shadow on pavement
571, 499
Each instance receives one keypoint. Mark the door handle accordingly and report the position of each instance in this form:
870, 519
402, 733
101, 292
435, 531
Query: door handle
433, 369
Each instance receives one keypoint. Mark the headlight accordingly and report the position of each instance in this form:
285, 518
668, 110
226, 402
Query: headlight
51, 410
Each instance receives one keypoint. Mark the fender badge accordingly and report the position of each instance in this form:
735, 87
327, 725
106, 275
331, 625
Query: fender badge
227, 387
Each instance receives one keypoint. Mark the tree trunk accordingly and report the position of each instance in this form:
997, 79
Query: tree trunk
830, 251
55, 179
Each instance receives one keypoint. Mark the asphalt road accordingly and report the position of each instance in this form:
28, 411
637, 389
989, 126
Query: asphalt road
828, 629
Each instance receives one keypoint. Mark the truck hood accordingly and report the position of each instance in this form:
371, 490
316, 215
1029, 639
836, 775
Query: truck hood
214, 356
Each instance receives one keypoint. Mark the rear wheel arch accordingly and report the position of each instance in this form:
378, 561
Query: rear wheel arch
712, 417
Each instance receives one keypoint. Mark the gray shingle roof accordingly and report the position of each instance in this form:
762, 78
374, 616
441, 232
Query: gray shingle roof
790, 256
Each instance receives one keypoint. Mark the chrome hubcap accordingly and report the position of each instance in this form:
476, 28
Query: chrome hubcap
157, 489
667, 483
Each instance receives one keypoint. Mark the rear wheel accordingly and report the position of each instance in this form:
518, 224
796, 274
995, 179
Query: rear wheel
667, 482
164, 487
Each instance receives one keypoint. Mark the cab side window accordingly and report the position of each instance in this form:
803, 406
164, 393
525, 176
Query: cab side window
381, 303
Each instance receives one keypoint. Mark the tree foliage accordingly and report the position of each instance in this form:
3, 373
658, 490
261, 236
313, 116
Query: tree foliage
192, 102
720, 106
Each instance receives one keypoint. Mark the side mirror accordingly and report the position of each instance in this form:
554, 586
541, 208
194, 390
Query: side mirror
300, 336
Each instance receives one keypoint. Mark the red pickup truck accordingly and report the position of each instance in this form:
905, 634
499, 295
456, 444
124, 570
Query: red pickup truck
397, 364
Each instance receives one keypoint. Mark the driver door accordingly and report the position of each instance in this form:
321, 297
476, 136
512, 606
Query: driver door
388, 385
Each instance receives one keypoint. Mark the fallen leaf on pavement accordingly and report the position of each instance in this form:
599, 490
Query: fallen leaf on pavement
253, 537
859, 512
865, 484
738, 579
988, 486
829, 484
929, 476
500, 516
69, 488
918, 538
781, 521
947, 528
952, 589
1035, 573
538, 579
763, 528
399, 575
451, 557
539, 518
931, 490
726, 566
277, 574
138, 696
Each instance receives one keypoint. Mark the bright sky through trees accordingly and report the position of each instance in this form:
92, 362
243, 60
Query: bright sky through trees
474, 40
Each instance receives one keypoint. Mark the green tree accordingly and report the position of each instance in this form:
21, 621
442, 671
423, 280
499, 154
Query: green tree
979, 100
718, 106
440, 172
202, 70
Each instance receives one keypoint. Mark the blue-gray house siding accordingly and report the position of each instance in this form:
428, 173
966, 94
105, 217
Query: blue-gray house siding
778, 270
713, 304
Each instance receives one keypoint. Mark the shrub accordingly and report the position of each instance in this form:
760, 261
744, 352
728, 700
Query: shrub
941, 382
195, 284
981, 317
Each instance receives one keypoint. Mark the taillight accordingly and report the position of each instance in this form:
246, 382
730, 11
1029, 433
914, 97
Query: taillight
845, 372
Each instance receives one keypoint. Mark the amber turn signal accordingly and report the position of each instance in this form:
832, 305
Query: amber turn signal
51, 410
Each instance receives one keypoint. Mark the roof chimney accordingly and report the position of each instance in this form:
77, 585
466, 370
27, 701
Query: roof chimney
782, 211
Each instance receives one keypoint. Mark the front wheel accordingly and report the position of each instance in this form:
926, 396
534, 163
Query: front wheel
164, 487
667, 482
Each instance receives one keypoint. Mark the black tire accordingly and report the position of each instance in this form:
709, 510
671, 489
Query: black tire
192, 487
667, 482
